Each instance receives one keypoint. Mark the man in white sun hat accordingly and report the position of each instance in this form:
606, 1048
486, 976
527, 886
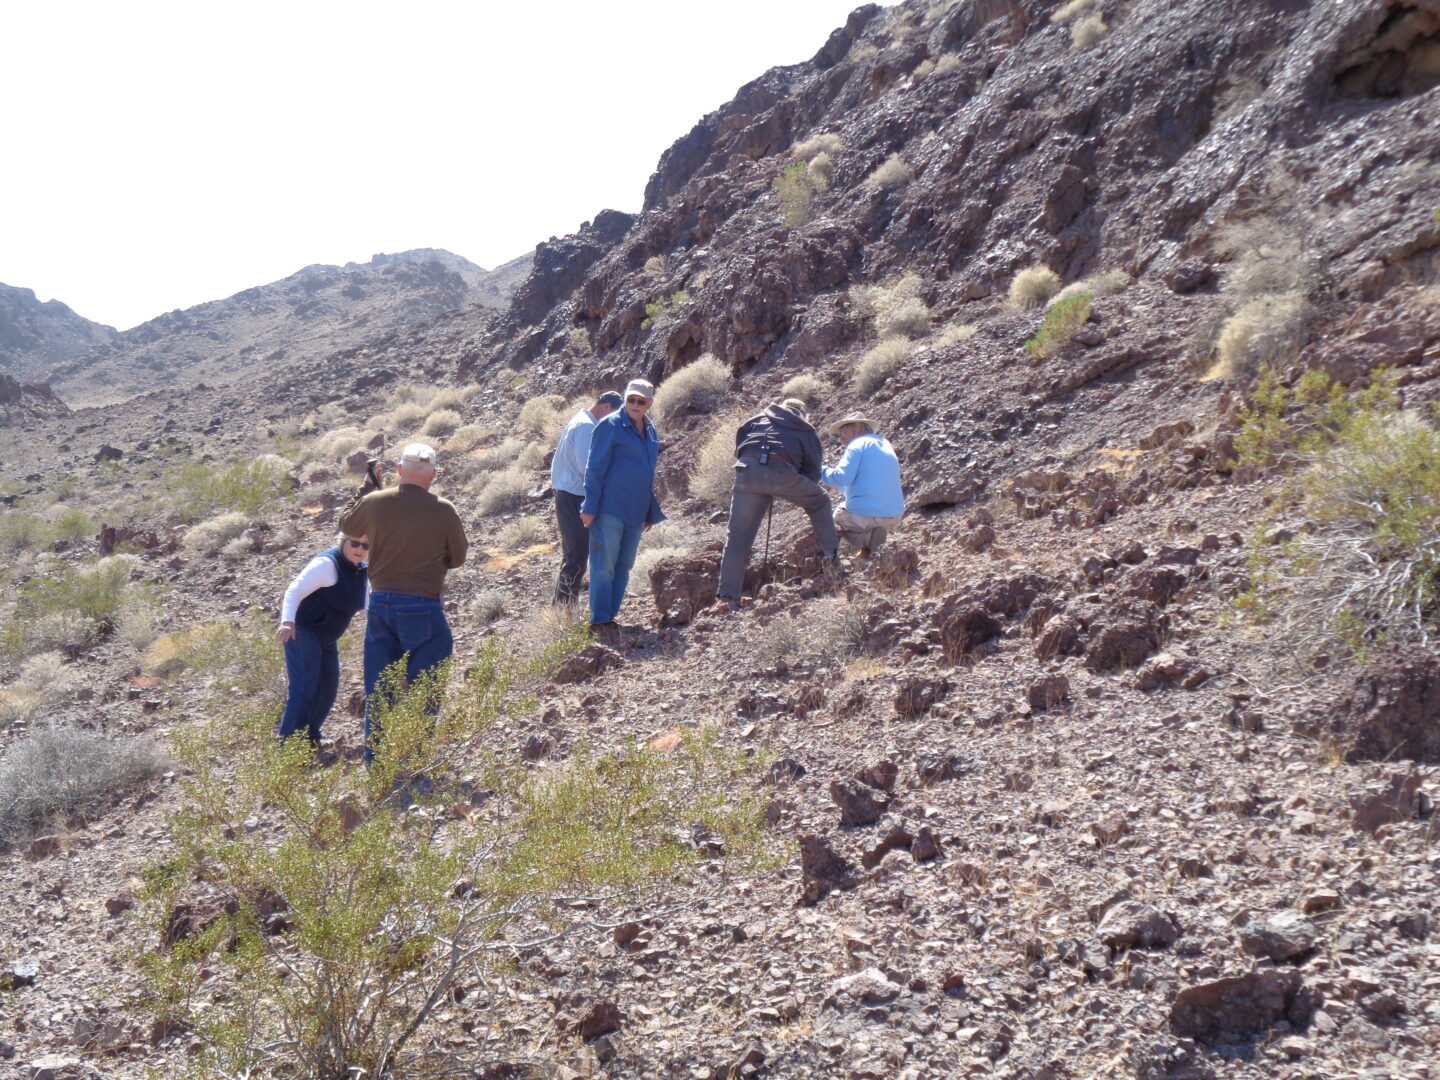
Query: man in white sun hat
415, 537
868, 477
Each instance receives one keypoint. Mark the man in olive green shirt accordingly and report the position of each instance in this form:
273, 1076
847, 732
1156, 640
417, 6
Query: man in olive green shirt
415, 537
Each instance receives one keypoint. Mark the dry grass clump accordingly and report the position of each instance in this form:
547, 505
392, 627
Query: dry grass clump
895, 308
21, 532
877, 365
892, 172
822, 171
947, 63
339, 444
822, 143
503, 491
809, 388
698, 387
489, 605
441, 423
500, 456
953, 333
1033, 286
1264, 331
524, 532
453, 397
544, 415
406, 414
646, 560
45, 680
137, 622
59, 772
713, 474
210, 536
1107, 283
907, 318
1088, 31
657, 266
922, 70
1065, 12
467, 437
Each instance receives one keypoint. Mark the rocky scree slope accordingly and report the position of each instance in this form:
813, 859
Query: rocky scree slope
1054, 813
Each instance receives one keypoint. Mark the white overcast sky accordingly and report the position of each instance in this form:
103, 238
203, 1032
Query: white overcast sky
159, 155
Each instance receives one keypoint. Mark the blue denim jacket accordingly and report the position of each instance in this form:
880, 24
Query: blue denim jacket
620, 472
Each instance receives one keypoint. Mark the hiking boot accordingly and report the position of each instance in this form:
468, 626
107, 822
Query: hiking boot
863, 553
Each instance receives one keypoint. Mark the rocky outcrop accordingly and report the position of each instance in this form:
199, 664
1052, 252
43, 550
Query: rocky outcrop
36, 336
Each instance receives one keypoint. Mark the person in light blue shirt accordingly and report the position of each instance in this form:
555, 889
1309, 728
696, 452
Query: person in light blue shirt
868, 478
567, 479
620, 502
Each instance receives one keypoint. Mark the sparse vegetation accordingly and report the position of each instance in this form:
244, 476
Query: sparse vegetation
210, 536
504, 490
821, 143
699, 386
1264, 331
657, 266
376, 930
45, 680
1088, 31
797, 187
947, 63
713, 474
247, 487
661, 306
1061, 322
441, 423
1096, 285
877, 365
1032, 286
59, 772
1070, 10
892, 172
543, 415
524, 532
489, 605
807, 387
953, 333
468, 437
69, 605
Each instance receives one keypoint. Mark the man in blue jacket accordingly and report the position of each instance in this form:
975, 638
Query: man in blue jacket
868, 476
620, 503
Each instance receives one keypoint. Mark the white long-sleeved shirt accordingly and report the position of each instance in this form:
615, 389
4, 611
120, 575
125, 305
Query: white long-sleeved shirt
319, 573
567, 467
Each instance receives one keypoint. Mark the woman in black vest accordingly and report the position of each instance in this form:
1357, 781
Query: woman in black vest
318, 606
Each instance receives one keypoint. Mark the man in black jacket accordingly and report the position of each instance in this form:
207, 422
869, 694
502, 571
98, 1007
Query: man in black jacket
777, 453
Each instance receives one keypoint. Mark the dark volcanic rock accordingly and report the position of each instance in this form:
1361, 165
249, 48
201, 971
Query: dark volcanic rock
1283, 936
1123, 635
859, 803
1392, 708
1241, 1005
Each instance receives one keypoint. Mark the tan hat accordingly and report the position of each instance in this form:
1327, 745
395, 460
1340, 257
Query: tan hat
417, 453
641, 388
870, 425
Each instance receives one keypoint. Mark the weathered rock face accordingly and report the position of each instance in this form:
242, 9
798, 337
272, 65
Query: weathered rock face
1240, 1006
1393, 708
36, 336
22, 402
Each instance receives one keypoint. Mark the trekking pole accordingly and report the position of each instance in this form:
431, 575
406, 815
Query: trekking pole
769, 515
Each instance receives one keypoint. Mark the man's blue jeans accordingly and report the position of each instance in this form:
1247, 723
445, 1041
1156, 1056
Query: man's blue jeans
398, 626
312, 664
613, 545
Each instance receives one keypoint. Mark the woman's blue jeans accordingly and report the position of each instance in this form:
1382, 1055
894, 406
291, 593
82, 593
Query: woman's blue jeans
613, 545
399, 625
313, 666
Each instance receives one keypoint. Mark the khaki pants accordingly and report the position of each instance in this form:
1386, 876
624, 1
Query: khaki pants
862, 531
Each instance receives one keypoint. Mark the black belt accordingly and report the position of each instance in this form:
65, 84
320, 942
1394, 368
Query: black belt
412, 595
769, 455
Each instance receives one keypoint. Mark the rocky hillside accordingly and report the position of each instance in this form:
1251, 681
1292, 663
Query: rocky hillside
34, 337
270, 329
1118, 761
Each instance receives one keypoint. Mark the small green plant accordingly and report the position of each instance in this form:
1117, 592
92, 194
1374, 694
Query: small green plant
1062, 321
797, 187
74, 525
658, 308
23, 531
70, 605
346, 918
248, 487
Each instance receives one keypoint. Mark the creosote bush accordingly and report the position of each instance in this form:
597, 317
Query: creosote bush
1061, 322
1367, 475
1032, 286
386, 897
892, 172
659, 308
699, 386
246, 487
796, 189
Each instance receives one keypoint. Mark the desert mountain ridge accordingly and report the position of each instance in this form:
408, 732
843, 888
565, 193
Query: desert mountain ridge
1118, 760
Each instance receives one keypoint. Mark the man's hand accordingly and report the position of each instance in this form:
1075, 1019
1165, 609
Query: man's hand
645, 527
375, 470
587, 520
285, 633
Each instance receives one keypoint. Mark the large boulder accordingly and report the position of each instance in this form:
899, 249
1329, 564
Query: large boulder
1392, 708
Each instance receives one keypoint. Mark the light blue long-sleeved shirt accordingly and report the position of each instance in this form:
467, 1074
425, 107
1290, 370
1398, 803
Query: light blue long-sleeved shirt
868, 475
567, 467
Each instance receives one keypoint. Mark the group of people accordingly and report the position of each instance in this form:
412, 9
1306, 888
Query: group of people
398, 543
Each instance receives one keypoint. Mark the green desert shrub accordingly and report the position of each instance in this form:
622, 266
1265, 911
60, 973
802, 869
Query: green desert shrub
699, 386
796, 189
70, 605
661, 307
1062, 321
21, 531
1031, 287
392, 895
56, 773
247, 487
880, 362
